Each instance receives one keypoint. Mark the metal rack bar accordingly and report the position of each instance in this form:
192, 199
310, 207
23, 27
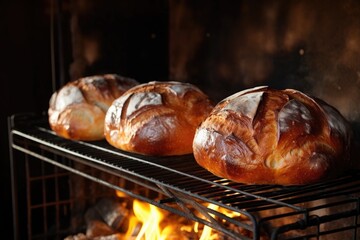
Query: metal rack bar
185, 183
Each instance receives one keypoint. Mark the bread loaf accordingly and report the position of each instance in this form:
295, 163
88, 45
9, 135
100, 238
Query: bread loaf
268, 136
157, 118
77, 111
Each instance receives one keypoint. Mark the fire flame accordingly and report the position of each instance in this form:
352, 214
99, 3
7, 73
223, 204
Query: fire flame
150, 217
148, 222
207, 232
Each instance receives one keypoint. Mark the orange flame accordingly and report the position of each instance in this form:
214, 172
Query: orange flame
207, 232
148, 222
150, 216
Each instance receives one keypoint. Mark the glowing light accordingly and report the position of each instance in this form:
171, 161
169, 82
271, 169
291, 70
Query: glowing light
148, 222
120, 194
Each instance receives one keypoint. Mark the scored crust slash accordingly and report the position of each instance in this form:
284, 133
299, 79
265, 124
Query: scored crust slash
157, 118
267, 136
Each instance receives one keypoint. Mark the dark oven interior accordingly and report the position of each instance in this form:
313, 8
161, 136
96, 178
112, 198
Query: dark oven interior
220, 46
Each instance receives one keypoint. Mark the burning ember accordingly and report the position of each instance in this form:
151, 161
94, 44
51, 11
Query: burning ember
129, 218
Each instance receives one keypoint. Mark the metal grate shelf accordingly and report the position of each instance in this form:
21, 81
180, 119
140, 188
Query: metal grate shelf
284, 212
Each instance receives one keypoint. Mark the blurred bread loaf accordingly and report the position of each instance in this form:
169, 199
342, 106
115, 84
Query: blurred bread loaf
77, 110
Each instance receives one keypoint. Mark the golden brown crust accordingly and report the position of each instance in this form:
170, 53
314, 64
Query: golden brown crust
267, 136
78, 109
157, 118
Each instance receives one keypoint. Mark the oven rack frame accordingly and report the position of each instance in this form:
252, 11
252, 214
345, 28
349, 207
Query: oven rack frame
187, 189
